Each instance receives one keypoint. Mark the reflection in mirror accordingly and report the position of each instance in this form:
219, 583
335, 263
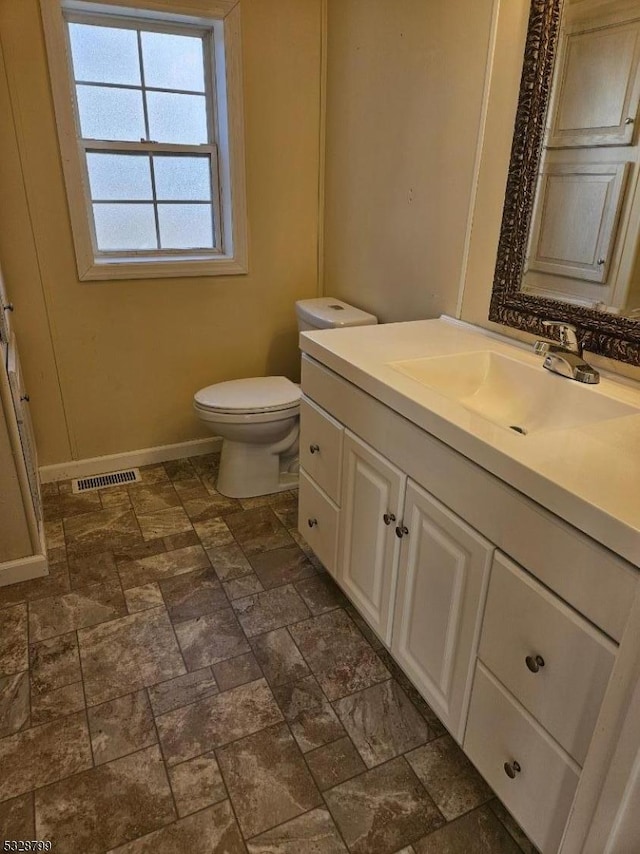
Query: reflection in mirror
583, 242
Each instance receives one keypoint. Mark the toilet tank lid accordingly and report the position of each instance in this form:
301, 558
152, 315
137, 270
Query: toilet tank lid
327, 313
249, 395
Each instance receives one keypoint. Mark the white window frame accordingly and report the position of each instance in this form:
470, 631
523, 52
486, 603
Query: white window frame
220, 18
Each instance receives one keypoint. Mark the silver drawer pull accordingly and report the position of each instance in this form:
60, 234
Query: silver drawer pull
314, 449
534, 663
312, 523
25, 397
512, 769
8, 306
388, 518
401, 531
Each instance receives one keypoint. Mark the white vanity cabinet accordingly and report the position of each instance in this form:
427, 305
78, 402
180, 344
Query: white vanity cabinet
506, 618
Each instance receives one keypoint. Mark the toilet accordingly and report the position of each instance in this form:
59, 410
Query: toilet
259, 418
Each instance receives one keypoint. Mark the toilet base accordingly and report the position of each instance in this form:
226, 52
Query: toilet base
247, 471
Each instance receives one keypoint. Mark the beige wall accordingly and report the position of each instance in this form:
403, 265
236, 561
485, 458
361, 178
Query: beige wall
113, 366
404, 98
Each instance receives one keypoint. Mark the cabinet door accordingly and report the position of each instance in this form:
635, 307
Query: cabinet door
5, 317
442, 586
25, 428
372, 489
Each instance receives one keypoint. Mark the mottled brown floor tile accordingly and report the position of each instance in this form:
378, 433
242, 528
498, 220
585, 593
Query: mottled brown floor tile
241, 587
54, 663
104, 530
334, 763
190, 488
213, 532
273, 500
383, 809
229, 561
181, 540
367, 632
236, 671
512, 828
311, 718
435, 724
270, 610
286, 509
164, 523
281, 566
313, 833
14, 703
300, 541
14, 655
210, 723
46, 707
130, 653
321, 594
382, 722
211, 638
106, 806
258, 530
179, 470
209, 507
49, 488
206, 463
181, 691
342, 661
193, 594
53, 584
212, 831
139, 551
85, 570
57, 615
154, 473
153, 497
120, 727
143, 598
40, 755
54, 535
449, 777
279, 657
197, 784
115, 496
17, 820
267, 779
57, 506
479, 832
135, 573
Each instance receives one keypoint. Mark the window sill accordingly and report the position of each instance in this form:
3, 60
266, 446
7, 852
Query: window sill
132, 268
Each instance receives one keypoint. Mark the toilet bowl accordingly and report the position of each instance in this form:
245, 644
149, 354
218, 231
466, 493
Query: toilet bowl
259, 418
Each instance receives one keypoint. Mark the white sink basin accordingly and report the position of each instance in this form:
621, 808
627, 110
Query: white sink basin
511, 393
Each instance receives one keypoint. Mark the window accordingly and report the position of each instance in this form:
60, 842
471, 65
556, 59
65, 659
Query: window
150, 138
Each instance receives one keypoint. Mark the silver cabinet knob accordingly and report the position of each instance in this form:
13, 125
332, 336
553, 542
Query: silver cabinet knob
388, 518
629, 120
512, 769
8, 307
312, 523
25, 397
534, 662
314, 449
602, 262
401, 531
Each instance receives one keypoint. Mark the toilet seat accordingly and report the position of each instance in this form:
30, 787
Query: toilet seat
268, 396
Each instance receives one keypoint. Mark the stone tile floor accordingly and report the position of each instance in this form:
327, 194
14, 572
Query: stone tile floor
188, 676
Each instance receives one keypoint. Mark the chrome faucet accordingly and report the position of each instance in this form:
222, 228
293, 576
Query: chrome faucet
565, 358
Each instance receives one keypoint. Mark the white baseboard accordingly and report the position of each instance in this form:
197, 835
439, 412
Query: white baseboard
129, 459
23, 569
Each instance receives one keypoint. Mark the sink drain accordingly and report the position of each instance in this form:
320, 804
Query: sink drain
518, 429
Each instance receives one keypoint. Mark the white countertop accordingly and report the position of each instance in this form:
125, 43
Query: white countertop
588, 475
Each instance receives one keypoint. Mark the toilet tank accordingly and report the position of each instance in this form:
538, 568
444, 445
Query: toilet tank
329, 313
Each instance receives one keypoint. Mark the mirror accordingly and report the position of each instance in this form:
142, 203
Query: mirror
570, 241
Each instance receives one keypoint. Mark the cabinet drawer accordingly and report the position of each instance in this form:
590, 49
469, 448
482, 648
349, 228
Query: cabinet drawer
523, 620
318, 521
500, 731
321, 447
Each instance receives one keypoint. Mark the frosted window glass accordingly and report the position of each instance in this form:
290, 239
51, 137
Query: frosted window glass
173, 62
105, 54
110, 113
119, 176
125, 227
177, 118
182, 178
185, 226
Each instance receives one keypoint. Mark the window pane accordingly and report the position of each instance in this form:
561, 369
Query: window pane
105, 54
119, 176
110, 113
177, 118
173, 62
185, 226
125, 227
182, 178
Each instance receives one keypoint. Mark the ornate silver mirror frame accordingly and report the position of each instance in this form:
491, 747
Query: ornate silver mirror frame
617, 338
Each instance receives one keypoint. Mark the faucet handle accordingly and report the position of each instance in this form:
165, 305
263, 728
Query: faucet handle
567, 332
